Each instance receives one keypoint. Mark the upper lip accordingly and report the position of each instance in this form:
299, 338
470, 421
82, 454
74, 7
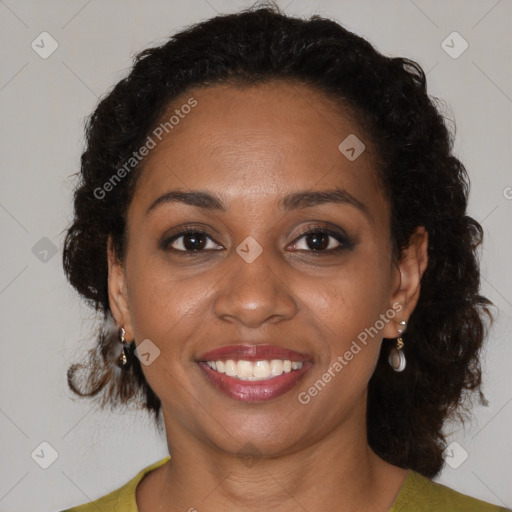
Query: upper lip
249, 352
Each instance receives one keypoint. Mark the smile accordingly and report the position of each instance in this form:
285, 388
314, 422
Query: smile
254, 373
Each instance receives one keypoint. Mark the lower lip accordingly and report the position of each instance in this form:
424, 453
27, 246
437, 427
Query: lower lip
255, 391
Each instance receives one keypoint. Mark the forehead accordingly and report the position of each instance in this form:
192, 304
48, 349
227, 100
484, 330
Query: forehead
264, 140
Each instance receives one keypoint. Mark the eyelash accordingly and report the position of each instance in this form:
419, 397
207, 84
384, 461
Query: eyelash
341, 238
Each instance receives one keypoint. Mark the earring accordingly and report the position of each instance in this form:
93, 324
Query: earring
123, 358
396, 356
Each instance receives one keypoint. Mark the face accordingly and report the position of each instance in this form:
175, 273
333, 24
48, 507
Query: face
259, 273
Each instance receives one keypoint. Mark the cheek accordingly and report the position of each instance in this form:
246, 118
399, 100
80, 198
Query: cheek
170, 314
347, 308
351, 297
161, 307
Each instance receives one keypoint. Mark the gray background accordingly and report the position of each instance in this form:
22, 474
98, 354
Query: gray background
44, 327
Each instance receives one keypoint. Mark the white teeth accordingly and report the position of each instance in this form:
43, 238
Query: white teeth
276, 367
254, 370
261, 369
244, 369
230, 368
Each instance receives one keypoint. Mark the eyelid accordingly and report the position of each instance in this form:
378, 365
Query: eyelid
324, 227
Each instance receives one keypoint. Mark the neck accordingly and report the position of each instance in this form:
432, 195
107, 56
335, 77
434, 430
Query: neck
340, 473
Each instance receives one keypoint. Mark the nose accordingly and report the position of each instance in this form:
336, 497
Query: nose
255, 293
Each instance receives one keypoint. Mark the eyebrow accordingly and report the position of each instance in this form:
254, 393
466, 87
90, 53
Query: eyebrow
294, 201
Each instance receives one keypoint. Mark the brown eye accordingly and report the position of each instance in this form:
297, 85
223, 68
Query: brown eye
189, 241
322, 241
317, 241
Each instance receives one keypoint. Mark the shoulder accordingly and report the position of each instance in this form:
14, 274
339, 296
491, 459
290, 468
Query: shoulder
122, 499
420, 494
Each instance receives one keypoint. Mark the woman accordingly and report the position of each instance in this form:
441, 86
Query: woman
271, 218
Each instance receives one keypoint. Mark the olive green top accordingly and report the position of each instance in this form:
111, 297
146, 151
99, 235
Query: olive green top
417, 494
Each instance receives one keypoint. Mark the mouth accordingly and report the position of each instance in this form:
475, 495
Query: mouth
254, 373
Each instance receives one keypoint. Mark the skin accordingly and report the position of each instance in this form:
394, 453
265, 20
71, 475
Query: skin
252, 146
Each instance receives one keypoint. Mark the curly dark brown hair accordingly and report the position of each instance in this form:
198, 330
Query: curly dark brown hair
425, 184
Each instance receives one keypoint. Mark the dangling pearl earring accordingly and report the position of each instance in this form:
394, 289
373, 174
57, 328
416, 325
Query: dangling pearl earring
123, 358
396, 356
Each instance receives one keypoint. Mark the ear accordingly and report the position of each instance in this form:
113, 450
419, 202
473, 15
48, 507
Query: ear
117, 295
410, 268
